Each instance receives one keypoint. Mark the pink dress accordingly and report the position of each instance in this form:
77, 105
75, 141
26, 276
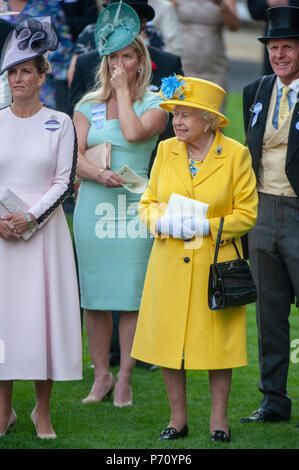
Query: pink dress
40, 327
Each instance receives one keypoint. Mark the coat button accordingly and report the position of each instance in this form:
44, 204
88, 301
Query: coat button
186, 259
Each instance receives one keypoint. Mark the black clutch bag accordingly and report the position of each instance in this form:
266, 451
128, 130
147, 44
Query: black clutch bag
230, 282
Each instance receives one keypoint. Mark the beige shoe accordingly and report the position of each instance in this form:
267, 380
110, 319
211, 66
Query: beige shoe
92, 398
41, 435
127, 402
11, 422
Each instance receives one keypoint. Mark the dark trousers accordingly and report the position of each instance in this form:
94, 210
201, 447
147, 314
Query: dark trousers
274, 259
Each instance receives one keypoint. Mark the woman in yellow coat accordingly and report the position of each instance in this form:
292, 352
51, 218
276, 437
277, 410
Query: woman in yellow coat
176, 329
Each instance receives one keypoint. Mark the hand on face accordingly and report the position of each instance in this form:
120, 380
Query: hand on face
119, 77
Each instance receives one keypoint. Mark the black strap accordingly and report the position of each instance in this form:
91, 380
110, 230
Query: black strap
252, 108
218, 242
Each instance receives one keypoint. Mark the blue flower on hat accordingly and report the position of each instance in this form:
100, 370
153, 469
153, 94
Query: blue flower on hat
172, 88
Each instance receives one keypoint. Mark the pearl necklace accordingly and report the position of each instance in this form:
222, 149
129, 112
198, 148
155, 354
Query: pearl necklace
203, 155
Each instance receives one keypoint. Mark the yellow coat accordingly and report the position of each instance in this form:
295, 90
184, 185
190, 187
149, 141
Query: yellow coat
174, 319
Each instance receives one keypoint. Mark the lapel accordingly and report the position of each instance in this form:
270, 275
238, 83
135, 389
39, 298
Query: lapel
257, 131
293, 141
179, 161
214, 160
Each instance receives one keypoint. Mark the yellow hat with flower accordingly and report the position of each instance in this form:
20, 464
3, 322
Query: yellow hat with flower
193, 92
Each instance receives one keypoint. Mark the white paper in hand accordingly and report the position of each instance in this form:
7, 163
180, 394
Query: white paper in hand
133, 182
185, 206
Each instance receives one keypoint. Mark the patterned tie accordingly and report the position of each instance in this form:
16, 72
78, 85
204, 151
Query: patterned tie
284, 105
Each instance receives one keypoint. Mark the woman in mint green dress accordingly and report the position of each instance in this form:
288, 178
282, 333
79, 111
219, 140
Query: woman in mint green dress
112, 247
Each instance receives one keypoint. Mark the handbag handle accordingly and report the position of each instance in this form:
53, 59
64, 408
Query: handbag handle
218, 242
251, 108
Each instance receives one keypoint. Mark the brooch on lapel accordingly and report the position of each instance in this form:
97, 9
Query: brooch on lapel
256, 109
52, 124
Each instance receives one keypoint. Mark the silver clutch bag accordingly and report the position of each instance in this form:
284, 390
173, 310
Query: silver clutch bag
10, 202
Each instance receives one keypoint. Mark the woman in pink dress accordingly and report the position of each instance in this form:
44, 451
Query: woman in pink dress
40, 329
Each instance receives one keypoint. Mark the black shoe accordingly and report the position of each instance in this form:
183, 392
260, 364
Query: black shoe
172, 433
220, 436
145, 365
264, 415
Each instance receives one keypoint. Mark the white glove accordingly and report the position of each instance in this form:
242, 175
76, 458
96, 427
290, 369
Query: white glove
172, 225
193, 227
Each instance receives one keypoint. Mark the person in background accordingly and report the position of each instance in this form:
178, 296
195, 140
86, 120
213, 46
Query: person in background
79, 14
5, 29
166, 20
39, 309
54, 91
112, 264
202, 24
176, 329
274, 243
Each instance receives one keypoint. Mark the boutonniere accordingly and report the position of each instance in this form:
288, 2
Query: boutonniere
154, 66
256, 109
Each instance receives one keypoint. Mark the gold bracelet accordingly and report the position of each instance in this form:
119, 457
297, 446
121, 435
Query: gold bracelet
100, 174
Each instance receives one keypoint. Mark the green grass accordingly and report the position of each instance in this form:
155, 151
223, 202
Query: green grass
235, 117
103, 426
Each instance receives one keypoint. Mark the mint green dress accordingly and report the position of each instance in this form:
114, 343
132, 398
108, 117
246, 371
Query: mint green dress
112, 244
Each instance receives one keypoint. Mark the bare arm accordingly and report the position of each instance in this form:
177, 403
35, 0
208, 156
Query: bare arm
135, 128
229, 13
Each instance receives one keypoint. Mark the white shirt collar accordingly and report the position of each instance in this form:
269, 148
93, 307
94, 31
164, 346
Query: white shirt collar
294, 84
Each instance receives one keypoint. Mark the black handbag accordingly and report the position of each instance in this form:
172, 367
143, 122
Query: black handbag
230, 282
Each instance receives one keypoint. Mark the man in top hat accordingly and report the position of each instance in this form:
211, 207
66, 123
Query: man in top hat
258, 11
164, 63
274, 241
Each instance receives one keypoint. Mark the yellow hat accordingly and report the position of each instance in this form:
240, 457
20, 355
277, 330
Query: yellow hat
193, 92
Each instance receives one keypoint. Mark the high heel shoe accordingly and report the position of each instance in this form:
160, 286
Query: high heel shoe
91, 398
220, 436
127, 402
11, 422
41, 435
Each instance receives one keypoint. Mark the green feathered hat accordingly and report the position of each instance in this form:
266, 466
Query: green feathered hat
117, 27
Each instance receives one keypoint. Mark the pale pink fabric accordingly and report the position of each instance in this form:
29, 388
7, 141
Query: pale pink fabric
40, 326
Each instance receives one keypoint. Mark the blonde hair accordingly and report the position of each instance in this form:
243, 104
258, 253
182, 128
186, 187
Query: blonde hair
102, 90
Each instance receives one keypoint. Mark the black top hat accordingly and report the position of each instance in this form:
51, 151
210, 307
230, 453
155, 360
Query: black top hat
283, 22
142, 8
5, 29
